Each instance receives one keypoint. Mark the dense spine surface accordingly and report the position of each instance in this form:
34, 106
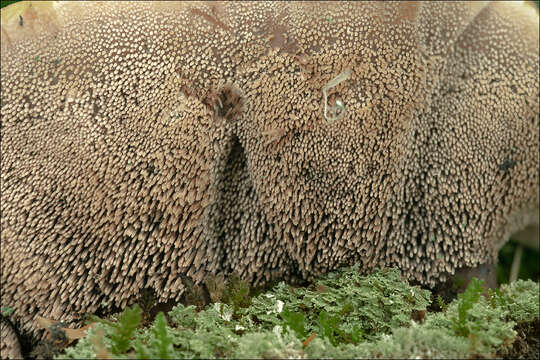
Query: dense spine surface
141, 141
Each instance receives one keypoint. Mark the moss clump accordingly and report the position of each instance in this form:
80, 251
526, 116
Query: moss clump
342, 315
520, 299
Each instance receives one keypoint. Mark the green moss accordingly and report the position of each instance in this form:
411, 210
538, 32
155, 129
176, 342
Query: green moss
342, 315
269, 345
6, 311
466, 301
159, 344
520, 299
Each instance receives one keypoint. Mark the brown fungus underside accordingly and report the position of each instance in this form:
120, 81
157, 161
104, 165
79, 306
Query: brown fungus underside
141, 141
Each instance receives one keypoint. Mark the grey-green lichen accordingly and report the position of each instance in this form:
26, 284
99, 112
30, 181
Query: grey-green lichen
352, 316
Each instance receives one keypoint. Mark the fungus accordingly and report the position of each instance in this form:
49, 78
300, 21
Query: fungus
273, 135
9, 345
135, 152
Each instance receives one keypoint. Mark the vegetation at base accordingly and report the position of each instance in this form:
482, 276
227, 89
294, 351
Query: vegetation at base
6, 311
123, 329
468, 298
341, 315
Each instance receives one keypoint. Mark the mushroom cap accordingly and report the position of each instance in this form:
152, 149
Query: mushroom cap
142, 141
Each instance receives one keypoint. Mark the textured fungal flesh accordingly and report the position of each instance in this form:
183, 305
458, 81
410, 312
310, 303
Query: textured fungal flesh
9, 343
144, 141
